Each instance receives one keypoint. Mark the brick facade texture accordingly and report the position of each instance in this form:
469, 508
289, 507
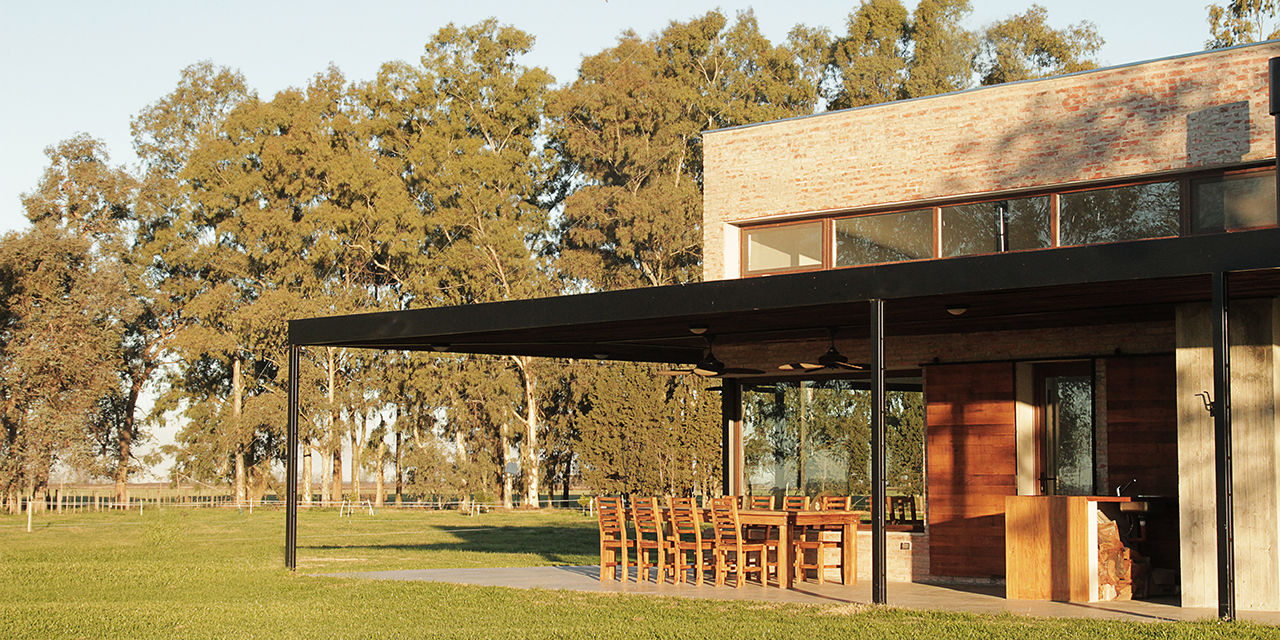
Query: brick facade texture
1197, 111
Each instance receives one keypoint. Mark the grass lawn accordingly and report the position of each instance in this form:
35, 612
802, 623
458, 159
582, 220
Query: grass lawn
218, 574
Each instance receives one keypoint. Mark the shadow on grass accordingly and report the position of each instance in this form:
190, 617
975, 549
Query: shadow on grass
556, 545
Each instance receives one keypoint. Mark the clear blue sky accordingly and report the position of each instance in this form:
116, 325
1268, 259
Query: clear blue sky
68, 67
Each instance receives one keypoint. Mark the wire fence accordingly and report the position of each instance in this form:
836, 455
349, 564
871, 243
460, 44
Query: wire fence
70, 502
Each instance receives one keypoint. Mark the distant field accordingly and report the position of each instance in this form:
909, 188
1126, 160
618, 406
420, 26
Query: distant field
218, 574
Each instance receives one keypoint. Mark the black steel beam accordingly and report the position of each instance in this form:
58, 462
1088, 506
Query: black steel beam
291, 467
730, 416
1137, 260
1222, 447
879, 495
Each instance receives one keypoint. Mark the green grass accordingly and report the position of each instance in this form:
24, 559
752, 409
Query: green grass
218, 574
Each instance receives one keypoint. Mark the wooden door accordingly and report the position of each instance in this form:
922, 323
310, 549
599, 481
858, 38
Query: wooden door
970, 444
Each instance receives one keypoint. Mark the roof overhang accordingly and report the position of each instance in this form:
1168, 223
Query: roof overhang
1089, 284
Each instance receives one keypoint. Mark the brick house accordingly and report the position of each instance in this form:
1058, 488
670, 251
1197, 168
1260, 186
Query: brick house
1065, 275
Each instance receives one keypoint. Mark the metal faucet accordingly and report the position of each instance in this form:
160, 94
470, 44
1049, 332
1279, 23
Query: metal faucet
1120, 489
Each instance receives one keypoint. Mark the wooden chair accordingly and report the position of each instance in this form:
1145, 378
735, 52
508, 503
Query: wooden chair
795, 503
614, 545
686, 538
902, 510
647, 515
733, 553
757, 532
834, 503
816, 539
757, 502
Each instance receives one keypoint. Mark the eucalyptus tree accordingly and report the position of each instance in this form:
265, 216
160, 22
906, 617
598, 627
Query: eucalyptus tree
59, 340
1024, 46
1236, 22
82, 195
66, 303
460, 131
888, 53
646, 435
628, 132
170, 250
266, 191
942, 50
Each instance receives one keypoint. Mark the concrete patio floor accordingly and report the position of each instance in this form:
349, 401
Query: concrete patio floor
987, 599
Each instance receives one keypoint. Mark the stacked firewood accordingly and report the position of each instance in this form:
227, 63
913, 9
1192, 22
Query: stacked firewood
1122, 572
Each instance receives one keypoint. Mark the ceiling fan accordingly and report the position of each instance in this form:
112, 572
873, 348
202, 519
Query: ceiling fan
710, 367
832, 359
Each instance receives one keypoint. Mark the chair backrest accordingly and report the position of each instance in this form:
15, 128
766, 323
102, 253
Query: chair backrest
724, 520
647, 514
686, 520
759, 502
902, 509
611, 517
795, 503
834, 503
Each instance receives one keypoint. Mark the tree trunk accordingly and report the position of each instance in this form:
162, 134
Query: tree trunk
504, 445
380, 494
241, 486
399, 472
568, 473
306, 473
336, 438
125, 436
336, 492
529, 455
237, 388
355, 466
324, 482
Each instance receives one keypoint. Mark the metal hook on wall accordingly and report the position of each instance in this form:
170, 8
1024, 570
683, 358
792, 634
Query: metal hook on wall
1207, 400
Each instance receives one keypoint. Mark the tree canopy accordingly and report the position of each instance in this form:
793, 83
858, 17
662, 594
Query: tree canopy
466, 176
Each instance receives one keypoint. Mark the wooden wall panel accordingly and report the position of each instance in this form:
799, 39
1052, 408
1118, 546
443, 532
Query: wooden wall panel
971, 466
1142, 443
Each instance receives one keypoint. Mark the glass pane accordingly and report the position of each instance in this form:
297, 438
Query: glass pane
813, 438
790, 246
1070, 400
1119, 214
890, 237
1027, 224
976, 228
1233, 202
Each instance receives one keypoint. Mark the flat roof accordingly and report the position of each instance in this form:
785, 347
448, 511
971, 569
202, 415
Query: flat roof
1048, 287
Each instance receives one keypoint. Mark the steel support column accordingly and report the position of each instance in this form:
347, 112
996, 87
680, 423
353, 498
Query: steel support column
1273, 83
1222, 448
730, 418
878, 472
291, 467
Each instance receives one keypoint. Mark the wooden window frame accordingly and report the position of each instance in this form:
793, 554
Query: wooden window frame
825, 224
1182, 179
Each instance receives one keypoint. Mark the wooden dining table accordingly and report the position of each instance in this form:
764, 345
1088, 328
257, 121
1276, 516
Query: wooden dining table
789, 523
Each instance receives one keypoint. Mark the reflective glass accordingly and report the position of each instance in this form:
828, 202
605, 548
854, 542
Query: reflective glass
1070, 416
813, 437
1234, 202
989, 227
1121, 213
889, 237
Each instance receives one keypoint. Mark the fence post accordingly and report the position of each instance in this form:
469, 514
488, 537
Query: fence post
29, 515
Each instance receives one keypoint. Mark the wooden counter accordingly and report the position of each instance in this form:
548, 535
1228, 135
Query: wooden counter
1051, 547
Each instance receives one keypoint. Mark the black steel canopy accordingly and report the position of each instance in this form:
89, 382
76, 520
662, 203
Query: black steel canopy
1073, 285
1139, 280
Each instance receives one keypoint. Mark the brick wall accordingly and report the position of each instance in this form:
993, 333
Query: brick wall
1201, 110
